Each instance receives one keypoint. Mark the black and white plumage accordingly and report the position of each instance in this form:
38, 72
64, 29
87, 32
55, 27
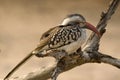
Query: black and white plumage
69, 36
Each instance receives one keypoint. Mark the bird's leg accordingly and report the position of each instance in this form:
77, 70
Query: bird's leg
59, 54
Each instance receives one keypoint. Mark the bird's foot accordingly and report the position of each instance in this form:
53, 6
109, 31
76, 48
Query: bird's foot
58, 54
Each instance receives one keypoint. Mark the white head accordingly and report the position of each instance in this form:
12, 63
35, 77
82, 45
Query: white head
73, 18
79, 19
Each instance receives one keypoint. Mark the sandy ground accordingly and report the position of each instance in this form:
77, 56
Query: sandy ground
23, 21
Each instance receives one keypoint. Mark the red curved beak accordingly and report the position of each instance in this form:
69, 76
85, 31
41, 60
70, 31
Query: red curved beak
92, 28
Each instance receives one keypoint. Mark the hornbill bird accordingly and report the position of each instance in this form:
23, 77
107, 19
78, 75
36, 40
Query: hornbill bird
68, 36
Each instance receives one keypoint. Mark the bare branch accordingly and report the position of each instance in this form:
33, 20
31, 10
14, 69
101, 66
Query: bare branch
70, 62
93, 40
40, 74
110, 60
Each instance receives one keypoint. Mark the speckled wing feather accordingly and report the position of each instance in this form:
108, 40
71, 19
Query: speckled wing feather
66, 35
59, 36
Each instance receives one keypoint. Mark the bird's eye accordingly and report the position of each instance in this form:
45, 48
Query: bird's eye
82, 24
61, 26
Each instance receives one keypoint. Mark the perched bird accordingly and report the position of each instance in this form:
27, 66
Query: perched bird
69, 36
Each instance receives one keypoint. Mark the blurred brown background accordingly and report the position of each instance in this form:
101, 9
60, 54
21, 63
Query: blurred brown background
23, 21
